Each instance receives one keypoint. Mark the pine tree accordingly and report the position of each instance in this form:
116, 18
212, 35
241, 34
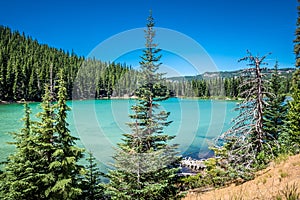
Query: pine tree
91, 182
227, 87
275, 112
42, 142
292, 137
35, 145
21, 179
297, 39
296, 75
64, 165
291, 140
145, 164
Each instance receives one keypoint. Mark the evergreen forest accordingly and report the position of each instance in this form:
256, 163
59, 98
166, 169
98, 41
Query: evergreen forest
26, 66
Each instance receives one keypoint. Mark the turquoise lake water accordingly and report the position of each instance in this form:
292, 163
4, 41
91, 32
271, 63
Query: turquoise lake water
100, 124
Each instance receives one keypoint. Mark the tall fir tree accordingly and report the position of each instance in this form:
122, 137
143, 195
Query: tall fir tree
145, 164
296, 75
64, 165
44, 131
297, 39
292, 138
21, 178
40, 141
276, 109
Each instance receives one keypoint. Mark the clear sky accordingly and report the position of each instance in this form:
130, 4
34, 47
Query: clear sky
224, 28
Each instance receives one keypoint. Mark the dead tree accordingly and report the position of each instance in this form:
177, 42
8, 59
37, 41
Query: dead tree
246, 139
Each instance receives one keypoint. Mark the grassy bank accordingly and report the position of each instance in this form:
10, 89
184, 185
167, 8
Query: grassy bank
280, 181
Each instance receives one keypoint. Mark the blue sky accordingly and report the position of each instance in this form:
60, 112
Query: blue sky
224, 28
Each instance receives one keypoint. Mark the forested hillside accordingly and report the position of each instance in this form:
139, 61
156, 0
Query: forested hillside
26, 65
222, 84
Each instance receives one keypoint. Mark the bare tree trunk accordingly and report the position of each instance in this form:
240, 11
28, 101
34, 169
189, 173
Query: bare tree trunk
259, 105
247, 134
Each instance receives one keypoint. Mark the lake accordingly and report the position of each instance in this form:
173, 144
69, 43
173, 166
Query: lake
100, 124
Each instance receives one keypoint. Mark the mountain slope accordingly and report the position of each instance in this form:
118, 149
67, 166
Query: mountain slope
229, 74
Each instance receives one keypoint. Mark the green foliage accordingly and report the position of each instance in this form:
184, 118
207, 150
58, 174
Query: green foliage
217, 173
91, 185
64, 163
196, 181
291, 138
297, 39
25, 66
276, 110
20, 179
146, 165
96, 79
44, 165
25, 69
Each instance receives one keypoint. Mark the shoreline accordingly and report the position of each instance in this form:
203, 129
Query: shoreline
17, 102
128, 98
212, 98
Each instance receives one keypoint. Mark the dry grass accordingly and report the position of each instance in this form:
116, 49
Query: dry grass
280, 181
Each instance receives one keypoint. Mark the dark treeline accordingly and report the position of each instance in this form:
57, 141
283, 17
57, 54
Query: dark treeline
96, 79
217, 87
26, 66
220, 86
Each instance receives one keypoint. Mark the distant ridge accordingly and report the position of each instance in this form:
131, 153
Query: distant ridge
228, 74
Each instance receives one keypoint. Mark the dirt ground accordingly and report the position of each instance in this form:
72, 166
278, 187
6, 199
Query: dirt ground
277, 179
